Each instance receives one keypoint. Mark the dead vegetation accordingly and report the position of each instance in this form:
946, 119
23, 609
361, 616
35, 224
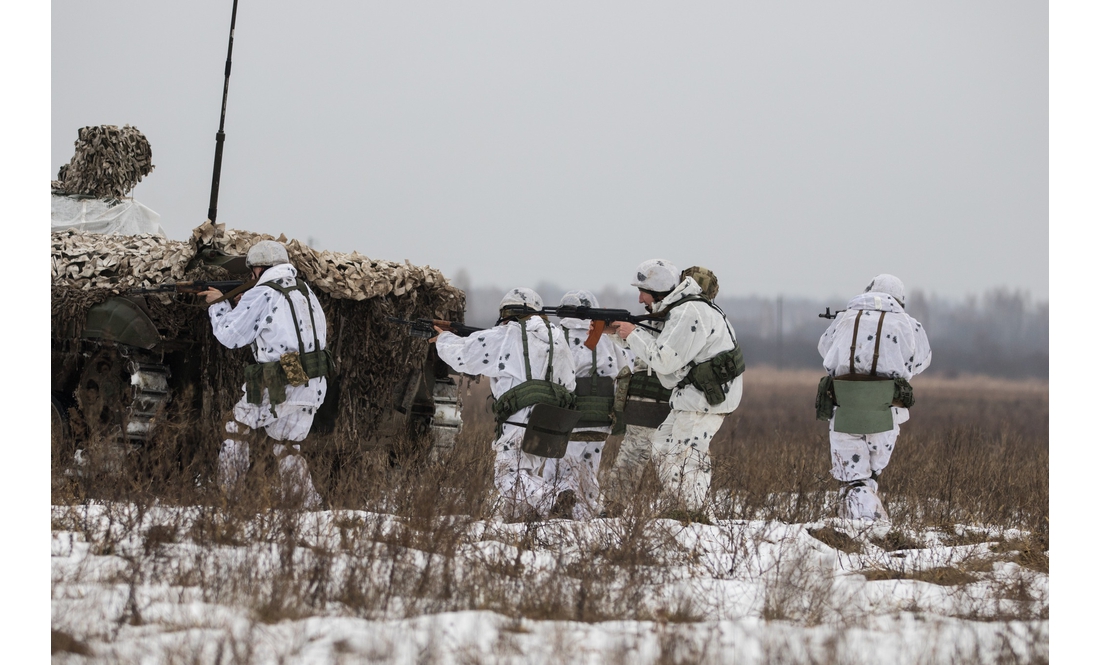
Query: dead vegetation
405, 535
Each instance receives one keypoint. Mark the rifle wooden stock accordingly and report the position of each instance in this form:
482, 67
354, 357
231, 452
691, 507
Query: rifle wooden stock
601, 318
594, 334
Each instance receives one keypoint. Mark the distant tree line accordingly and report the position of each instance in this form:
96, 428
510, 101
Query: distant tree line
1002, 333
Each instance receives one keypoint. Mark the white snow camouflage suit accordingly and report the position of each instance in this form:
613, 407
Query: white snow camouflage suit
858, 459
498, 354
579, 469
263, 320
680, 447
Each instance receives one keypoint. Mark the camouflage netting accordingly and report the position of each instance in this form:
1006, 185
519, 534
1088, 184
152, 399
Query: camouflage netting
357, 294
107, 164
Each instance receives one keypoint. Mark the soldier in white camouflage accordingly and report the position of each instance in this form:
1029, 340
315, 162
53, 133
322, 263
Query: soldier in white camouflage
871, 338
282, 321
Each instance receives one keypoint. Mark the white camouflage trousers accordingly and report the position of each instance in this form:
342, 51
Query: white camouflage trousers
680, 450
578, 471
519, 480
297, 485
634, 452
858, 459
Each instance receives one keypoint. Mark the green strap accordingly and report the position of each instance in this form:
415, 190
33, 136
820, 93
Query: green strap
550, 360
526, 354
594, 373
855, 336
300, 287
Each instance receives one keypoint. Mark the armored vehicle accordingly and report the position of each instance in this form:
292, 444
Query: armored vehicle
134, 358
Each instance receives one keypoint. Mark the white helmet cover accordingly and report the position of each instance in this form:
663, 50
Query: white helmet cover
266, 253
889, 285
522, 297
579, 298
657, 275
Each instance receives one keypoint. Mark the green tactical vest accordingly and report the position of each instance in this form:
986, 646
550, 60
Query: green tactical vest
712, 375
595, 397
273, 375
532, 391
863, 401
648, 386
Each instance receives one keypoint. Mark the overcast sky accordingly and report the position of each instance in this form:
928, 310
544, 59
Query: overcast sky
794, 148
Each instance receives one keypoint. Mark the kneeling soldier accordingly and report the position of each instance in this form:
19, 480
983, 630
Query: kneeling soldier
282, 320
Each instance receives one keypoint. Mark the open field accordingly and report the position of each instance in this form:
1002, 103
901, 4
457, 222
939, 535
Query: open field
408, 564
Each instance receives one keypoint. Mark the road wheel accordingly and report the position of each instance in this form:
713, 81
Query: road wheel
104, 393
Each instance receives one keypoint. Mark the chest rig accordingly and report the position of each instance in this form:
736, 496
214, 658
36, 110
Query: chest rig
294, 368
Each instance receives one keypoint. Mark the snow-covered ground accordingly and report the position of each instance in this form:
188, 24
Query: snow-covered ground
166, 584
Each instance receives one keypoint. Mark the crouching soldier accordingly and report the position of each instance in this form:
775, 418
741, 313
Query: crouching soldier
528, 363
282, 320
871, 351
577, 473
697, 357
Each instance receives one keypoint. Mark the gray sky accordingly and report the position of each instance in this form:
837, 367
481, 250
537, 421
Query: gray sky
796, 147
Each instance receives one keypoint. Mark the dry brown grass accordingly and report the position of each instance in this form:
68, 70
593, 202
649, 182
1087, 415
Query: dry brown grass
974, 452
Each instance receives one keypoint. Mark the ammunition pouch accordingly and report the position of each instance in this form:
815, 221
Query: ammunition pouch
826, 398
530, 393
597, 405
292, 367
711, 376
644, 413
274, 377
647, 386
641, 400
903, 393
548, 430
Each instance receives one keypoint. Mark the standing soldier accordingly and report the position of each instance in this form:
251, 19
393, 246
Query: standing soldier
528, 363
644, 404
696, 356
577, 472
283, 322
871, 350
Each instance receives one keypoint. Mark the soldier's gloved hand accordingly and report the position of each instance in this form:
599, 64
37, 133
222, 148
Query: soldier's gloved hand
623, 328
211, 295
437, 331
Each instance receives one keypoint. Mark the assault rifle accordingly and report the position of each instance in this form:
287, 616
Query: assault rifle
600, 318
228, 288
425, 328
830, 315
188, 287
